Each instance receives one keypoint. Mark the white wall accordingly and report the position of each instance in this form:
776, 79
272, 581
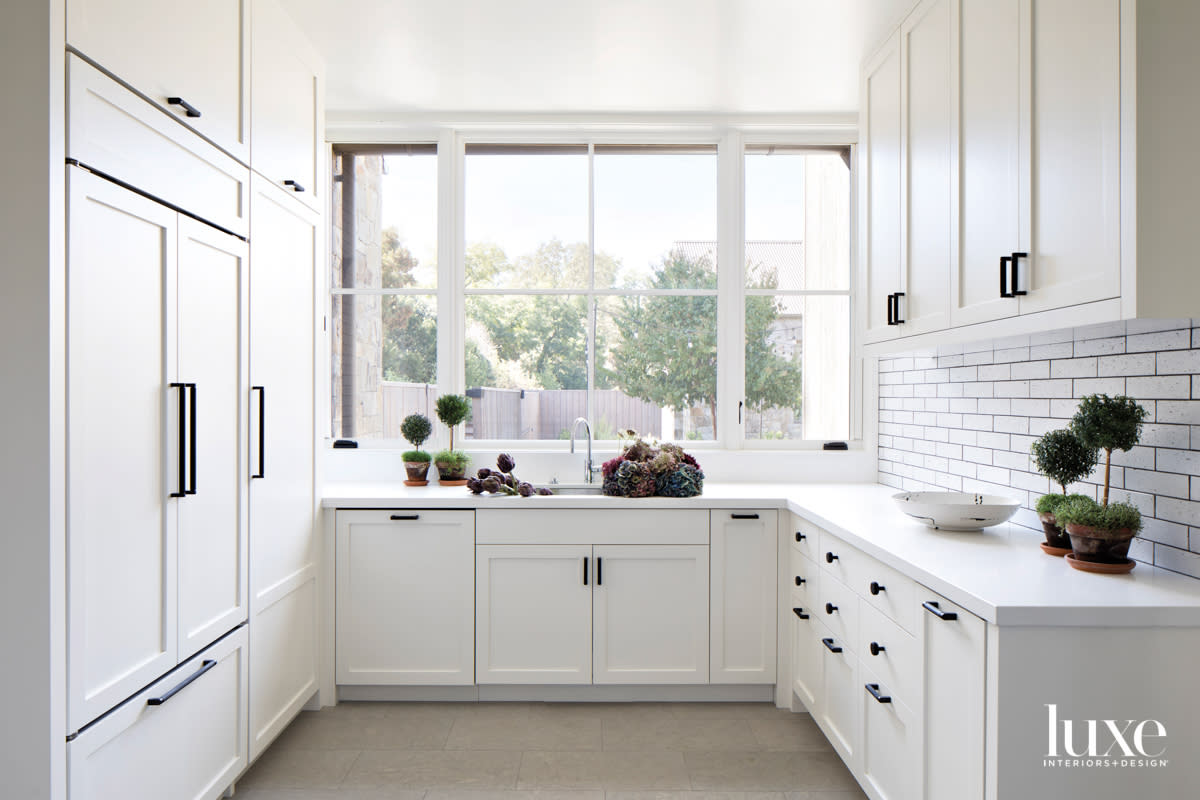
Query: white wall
32, 622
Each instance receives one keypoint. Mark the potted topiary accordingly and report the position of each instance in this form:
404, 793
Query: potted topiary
1100, 533
416, 428
1062, 457
452, 409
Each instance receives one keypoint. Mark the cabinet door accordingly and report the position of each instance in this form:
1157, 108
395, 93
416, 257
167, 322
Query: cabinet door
213, 321
891, 735
928, 158
285, 124
1074, 157
881, 194
173, 48
533, 614
122, 445
989, 144
405, 597
650, 614
283, 601
743, 596
841, 698
955, 651
807, 659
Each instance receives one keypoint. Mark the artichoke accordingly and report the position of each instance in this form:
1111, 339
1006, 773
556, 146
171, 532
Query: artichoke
525, 489
505, 462
483, 472
491, 484
475, 485
544, 492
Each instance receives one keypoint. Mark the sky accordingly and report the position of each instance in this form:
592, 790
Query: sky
643, 204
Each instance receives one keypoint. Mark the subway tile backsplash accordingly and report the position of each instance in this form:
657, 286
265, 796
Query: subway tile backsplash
963, 417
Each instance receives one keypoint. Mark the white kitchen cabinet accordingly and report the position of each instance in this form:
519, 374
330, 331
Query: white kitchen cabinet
650, 614
954, 645
286, 125
807, 658
533, 618
742, 595
194, 53
405, 600
890, 741
284, 254
182, 737
839, 707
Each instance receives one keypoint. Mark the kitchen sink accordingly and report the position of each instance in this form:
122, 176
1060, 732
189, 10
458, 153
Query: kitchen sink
576, 488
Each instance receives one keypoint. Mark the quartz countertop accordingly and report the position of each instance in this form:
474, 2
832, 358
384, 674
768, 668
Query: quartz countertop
999, 574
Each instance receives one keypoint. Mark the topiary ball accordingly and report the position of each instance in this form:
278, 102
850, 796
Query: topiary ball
685, 481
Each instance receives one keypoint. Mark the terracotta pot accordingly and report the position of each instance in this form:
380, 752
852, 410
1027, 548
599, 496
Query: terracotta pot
418, 472
1055, 536
452, 476
1099, 544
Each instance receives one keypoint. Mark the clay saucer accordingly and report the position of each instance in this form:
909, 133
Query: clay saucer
1119, 568
1055, 551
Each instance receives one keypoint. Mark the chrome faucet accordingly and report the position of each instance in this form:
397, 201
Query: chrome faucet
588, 470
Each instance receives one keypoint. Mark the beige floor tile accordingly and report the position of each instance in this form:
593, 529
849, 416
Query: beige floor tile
515, 794
641, 735
435, 769
362, 793
369, 730
716, 771
852, 794
693, 795
500, 732
791, 733
694, 711
609, 770
602, 710
292, 768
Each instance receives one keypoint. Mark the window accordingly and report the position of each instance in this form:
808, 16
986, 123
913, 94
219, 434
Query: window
384, 288
797, 293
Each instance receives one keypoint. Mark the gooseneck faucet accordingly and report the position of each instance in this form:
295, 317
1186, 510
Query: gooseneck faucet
588, 470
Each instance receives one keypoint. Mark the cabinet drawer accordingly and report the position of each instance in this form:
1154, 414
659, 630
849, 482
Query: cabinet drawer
802, 579
890, 732
884, 588
837, 608
839, 559
112, 130
575, 526
895, 657
806, 537
190, 743
841, 700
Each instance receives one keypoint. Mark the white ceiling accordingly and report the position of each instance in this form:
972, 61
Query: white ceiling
595, 56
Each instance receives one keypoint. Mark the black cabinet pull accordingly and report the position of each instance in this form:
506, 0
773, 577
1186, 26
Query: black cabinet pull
897, 319
599, 571
262, 438
205, 666
192, 438
876, 587
833, 648
934, 609
1016, 290
187, 107
830, 558
744, 516
877, 648
800, 537
405, 517
799, 612
891, 314
182, 492
585, 560
830, 608
293, 185
799, 581
1004, 262
873, 688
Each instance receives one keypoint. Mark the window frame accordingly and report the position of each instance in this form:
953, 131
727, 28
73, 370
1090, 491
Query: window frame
731, 142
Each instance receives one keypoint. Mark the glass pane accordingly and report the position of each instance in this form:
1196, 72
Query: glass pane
526, 365
650, 205
386, 368
656, 366
797, 221
527, 219
797, 367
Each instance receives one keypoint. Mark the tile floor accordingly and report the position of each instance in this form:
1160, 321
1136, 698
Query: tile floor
550, 751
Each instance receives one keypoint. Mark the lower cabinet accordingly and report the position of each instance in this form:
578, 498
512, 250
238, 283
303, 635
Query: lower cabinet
841, 698
182, 737
743, 599
405, 597
890, 740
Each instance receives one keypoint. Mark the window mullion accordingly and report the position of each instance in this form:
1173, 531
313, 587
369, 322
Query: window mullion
451, 271
731, 308
590, 332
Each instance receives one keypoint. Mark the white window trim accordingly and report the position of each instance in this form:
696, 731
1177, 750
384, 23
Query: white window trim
731, 140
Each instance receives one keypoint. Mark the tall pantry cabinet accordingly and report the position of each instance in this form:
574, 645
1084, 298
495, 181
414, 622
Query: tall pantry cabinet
191, 585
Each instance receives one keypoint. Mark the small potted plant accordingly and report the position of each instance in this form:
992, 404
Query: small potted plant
416, 428
1062, 457
1100, 533
452, 409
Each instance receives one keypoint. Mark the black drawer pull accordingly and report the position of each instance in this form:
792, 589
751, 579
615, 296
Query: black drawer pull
1015, 275
1004, 290
933, 608
833, 648
799, 581
262, 436
187, 107
585, 579
897, 319
405, 517
830, 608
599, 571
799, 612
182, 492
744, 516
800, 537
876, 588
293, 185
877, 648
873, 688
204, 667
830, 558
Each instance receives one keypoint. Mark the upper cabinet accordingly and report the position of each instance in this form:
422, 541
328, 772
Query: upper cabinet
190, 59
286, 124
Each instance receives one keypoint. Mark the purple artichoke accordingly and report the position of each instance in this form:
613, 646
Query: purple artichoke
544, 492
525, 489
505, 462
483, 472
491, 484
475, 485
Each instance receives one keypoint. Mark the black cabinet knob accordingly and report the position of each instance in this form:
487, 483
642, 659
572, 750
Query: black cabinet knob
799, 581
876, 588
877, 648
800, 537
830, 608
830, 558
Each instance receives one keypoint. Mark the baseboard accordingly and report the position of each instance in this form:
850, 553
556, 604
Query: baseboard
563, 694
462, 694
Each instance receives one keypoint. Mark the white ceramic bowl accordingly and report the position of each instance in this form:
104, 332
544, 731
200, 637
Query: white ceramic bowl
956, 511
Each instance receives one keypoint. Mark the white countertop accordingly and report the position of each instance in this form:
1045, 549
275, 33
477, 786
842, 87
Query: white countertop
1000, 574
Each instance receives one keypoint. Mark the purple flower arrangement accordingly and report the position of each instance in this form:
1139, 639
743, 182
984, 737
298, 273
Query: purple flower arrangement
644, 470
